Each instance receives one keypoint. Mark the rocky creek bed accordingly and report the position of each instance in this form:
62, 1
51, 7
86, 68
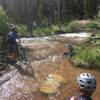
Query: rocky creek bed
47, 75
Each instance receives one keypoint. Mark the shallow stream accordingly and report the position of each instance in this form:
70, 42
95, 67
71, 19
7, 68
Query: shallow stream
44, 57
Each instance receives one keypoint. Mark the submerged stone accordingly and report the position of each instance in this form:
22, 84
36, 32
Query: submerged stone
51, 84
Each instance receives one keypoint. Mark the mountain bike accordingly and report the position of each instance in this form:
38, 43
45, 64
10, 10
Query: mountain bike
21, 52
3, 59
8, 57
69, 52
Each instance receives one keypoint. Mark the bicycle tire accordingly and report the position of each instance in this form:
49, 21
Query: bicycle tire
21, 52
2, 66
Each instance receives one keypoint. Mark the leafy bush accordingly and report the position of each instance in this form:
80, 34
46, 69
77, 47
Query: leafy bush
41, 31
1, 41
87, 57
92, 25
22, 30
55, 28
98, 16
76, 26
73, 26
3, 22
58, 29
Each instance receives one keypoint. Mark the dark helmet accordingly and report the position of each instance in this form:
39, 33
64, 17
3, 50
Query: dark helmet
12, 27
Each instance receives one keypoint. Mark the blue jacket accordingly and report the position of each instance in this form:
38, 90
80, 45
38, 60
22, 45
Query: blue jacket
12, 36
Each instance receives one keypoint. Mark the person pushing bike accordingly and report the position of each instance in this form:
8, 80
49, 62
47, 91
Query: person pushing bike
12, 36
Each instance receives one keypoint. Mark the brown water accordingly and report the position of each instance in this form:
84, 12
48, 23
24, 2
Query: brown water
44, 57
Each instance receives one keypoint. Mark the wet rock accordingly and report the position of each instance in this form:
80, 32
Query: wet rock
25, 69
18, 87
3, 80
48, 89
51, 84
57, 78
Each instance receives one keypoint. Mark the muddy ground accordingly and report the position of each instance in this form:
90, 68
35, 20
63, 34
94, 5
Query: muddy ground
22, 81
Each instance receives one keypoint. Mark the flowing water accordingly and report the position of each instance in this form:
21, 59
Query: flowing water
44, 56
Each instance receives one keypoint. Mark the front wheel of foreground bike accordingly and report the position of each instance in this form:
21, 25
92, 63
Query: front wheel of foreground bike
21, 53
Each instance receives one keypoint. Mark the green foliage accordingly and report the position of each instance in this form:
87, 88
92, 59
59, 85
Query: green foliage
3, 22
55, 11
88, 57
1, 41
41, 31
73, 26
76, 26
57, 28
98, 17
22, 30
92, 25
90, 8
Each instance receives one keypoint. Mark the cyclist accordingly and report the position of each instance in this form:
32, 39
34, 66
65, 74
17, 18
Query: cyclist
11, 40
70, 51
92, 38
86, 86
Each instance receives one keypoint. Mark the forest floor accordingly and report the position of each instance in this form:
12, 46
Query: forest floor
44, 57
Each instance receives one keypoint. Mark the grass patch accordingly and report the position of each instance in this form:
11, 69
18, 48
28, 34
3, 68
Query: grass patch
38, 31
41, 31
93, 25
77, 26
73, 26
87, 57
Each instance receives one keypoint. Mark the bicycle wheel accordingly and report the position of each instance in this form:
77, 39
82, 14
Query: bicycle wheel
2, 66
21, 52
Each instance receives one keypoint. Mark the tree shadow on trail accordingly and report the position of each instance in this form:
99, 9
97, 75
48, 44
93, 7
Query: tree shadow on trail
25, 70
